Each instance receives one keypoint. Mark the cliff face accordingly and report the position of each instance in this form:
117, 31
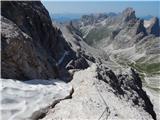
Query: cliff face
154, 27
31, 47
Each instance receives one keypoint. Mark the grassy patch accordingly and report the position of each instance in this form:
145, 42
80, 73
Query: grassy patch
150, 69
96, 35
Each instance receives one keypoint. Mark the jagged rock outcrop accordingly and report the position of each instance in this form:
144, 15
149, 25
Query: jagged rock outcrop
20, 57
122, 30
140, 27
153, 27
80, 63
126, 37
31, 47
128, 14
93, 18
131, 82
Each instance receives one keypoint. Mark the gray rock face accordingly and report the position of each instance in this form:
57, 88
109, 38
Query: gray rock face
128, 14
34, 20
20, 58
140, 28
93, 18
31, 47
154, 27
123, 30
123, 83
79, 63
130, 39
100, 94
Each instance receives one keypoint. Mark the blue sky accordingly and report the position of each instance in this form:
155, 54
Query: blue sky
142, 8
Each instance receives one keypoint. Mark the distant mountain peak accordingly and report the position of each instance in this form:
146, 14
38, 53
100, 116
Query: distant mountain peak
154, 26
111, 14
93, 18
128, 11
140, 27
128, 14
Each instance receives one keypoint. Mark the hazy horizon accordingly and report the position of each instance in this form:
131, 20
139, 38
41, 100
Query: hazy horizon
142, 8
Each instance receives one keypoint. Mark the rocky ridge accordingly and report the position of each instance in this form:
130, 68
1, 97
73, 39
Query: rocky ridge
100, 94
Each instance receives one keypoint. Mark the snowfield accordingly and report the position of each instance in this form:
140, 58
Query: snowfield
28, 100
147, 23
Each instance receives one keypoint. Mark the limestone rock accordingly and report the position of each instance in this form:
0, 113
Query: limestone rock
94, 98
154, 27
31, 46
20, 57
79, 63
128, 14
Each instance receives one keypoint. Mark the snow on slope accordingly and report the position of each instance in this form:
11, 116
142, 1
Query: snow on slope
62, 58
19, 100
147, 23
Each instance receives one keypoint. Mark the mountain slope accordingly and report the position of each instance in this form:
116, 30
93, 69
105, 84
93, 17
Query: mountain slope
130, 41
38, 45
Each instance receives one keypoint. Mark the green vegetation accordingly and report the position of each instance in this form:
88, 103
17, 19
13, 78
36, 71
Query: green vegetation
83, 31
152, 68
155, 89
96, 35
142, 68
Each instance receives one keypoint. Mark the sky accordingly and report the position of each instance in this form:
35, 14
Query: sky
142, 8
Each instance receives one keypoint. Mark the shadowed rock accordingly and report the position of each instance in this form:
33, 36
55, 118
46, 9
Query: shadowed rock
154, 27
31, 46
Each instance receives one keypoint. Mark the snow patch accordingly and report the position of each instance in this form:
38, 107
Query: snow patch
147, 23
62, 58
21, 100
103, 23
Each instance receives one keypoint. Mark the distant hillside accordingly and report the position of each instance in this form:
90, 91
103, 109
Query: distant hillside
63, 17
